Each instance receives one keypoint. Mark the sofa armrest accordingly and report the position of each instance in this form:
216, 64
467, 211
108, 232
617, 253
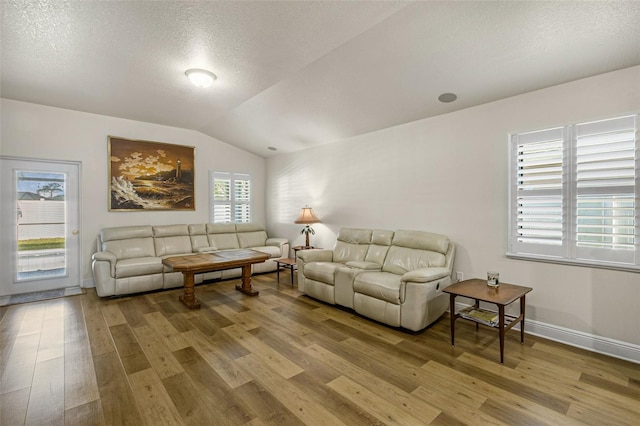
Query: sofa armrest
316, 255
364, 265
278, 242
281, 243
425, 275
106, 256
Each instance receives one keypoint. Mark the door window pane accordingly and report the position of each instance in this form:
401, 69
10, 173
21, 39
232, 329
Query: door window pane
41, 225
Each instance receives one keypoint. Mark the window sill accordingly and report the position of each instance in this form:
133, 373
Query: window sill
575, 262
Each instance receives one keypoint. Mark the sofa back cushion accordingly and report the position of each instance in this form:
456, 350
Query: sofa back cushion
248, 227
222, 236
411, 250
380, 242
198, 236
127, 242
421, 240
171, 240
251, 235
352, 244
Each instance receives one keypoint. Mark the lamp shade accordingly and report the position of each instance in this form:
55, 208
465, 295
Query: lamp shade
307, 216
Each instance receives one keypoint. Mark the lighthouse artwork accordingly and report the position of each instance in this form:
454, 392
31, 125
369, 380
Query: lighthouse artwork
147, 175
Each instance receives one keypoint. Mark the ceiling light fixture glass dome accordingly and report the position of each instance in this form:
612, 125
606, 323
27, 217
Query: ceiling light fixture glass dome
200, 78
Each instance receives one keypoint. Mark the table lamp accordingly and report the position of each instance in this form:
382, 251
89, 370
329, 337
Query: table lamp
307, 217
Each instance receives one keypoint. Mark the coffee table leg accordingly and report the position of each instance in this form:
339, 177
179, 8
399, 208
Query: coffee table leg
189, 297
246, 282
452, 315
502, 332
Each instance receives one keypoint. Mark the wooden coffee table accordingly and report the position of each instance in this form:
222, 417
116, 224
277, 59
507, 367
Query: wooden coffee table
501, 296
193, 264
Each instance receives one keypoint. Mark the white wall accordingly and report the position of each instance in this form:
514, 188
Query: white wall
448, 174
37, 131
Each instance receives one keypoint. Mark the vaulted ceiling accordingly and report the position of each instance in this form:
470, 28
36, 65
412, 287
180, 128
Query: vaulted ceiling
292, 75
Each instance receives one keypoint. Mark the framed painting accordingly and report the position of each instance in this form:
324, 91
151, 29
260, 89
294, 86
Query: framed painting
146, 175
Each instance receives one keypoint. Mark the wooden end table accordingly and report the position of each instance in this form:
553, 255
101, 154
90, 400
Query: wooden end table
287, 263
503, 295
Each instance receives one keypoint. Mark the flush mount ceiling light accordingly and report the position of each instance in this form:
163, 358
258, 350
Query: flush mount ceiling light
200, 78
447, 97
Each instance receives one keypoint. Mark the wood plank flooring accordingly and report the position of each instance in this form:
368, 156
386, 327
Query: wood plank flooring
285, 359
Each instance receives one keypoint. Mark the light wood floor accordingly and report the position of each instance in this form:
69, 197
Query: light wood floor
285, 359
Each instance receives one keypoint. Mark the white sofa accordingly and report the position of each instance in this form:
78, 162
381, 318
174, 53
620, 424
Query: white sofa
129, 258
395, 278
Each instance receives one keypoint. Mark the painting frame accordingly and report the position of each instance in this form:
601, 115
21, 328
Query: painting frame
150, 176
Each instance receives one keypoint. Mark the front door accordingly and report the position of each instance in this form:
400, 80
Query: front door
39, 225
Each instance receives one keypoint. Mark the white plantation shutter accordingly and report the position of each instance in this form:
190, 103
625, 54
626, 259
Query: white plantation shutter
242, 198
221, 198
573, 193
538, 220
605, 180
231, 198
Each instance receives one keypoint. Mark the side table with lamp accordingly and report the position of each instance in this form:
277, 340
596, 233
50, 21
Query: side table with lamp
307, 218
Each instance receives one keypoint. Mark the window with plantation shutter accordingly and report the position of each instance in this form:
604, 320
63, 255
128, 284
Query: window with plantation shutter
539, 204
230, 197
605, 181
573, 195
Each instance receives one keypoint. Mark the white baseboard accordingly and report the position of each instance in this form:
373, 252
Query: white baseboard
579, 339
590, 342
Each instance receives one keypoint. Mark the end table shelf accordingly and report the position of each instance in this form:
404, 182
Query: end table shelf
503, 295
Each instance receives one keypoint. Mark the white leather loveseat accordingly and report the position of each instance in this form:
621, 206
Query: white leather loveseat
395, 278
129, 258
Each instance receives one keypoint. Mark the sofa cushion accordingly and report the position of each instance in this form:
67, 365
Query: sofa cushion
381, 237
222, 236
421, 240
130, 248
380, 242
364, 265
138, 266
352, 244
248, 227
223, 241
380, 285
171, 240
344, 252
252, 239
401, 260
221, 228
125, 232
198, 237
321, 271
170, 231
169, 246
355, 235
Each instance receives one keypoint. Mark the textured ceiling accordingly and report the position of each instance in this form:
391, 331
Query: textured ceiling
297, 74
